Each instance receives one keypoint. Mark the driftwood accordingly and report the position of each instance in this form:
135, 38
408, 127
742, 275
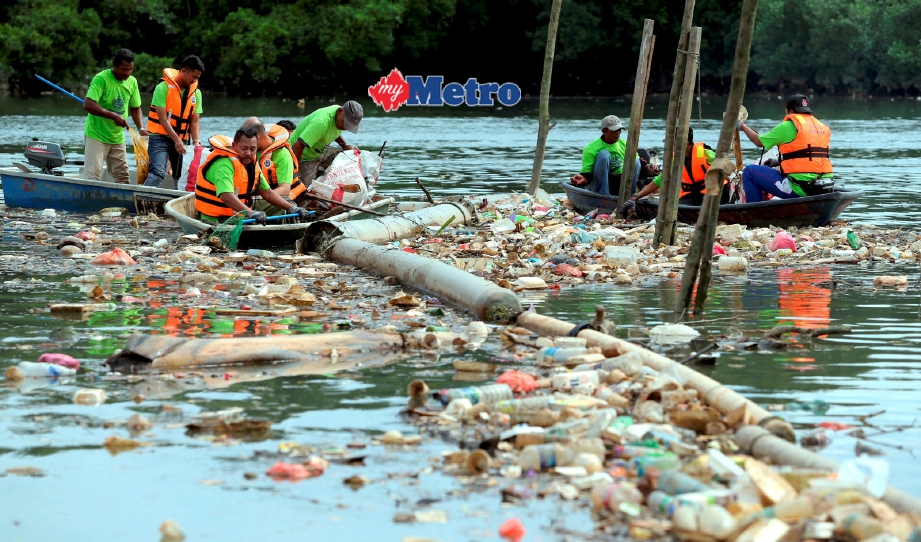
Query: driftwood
167, 353
806, 331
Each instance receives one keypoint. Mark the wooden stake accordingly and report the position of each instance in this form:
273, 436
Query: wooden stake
636, 112
685, 109
701, 252
673, 98
543, 120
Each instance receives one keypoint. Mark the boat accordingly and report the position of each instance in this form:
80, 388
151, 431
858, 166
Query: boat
784, 213
270, 235
49, 188
41, 191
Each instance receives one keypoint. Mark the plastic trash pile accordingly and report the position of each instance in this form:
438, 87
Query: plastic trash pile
643, 451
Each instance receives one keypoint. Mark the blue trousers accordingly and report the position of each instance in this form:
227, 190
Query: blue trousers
757, 179
158, 147
601, 183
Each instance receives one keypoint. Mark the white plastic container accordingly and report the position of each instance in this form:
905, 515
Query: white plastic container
29, 369
622, 256
565, 381
728, 264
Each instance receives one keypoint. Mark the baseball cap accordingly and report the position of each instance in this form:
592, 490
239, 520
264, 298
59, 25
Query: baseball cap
353, 113
612, 122
799, 103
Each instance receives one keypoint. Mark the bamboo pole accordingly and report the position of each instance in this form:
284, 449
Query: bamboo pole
543, 118
669, 152
701, 252
636, 113
685, 108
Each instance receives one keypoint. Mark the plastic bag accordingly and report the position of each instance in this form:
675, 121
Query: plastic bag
115, 256
192, 173
783, 240
343, 180
370, 167
141, 156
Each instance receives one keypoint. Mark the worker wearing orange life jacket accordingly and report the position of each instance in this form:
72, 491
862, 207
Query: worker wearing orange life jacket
229, 179
805, 167
276, 160
698, 157
173, 119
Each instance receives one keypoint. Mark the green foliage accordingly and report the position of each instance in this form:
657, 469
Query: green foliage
319, 47
52, 38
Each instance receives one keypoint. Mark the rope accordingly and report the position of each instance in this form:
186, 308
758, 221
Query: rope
700, 113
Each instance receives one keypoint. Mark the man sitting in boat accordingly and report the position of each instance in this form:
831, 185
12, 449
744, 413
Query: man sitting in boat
229, 178
320, 128
805, 168
276, 160
603, 160
698, 157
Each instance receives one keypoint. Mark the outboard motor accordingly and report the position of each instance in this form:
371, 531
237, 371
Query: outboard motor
46, 156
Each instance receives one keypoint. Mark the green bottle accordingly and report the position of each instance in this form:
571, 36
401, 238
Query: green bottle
853, 240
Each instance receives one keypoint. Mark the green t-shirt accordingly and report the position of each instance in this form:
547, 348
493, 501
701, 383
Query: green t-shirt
112, 95
159, 97
785, 132
221, 174
710, 155
617, 150
316, 131
284, 165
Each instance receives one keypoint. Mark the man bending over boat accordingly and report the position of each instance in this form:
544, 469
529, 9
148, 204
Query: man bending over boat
603, 160
276, 161
805, 167
229, 178
698, 157
112, 94
320, 128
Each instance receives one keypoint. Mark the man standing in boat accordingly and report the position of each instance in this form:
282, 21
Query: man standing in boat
276, 161
174, 118
805, 167
698, 157
320, 128
112, 94
229, 178
603, 160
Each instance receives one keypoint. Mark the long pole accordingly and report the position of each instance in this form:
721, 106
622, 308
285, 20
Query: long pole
543, 120
701, 253
636, 112
669, 152
681, 138
52, 85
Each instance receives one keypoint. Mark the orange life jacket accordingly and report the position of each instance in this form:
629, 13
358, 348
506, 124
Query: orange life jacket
280, 136
808, 152
694, 171
181, 107
207, 200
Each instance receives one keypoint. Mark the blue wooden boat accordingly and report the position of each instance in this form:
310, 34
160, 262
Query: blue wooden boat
41, 191
784, 213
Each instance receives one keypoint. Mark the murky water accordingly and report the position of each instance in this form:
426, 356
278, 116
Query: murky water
90, 494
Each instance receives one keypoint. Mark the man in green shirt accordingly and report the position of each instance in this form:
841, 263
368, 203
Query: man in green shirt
805, 168
280, 159
320, 128
112, 94
603, 160
221, 175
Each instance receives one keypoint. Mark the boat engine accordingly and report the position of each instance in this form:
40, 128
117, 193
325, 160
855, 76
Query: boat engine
44, 155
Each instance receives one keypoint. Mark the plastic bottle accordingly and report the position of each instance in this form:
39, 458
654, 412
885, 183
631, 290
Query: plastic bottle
492, 393
29, 369
603, 420
565, 381
717, 522
551, 354
521, 406
567, 430
611, 496
724, 468
862, 527
660, 501
631, 451
545, 456
674, 482
853, 240
791, 510
662, 461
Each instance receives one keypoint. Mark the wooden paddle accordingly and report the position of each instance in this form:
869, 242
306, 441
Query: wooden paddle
347, 206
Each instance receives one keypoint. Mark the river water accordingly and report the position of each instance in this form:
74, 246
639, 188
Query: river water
89, 494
